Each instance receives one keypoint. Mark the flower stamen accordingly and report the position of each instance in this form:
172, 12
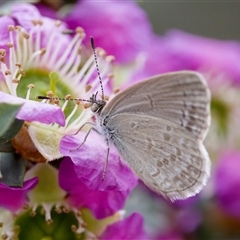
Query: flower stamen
30, 86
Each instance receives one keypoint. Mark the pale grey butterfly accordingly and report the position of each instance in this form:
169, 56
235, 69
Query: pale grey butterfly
158, 126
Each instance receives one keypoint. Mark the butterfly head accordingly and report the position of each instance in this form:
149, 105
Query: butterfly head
97, 105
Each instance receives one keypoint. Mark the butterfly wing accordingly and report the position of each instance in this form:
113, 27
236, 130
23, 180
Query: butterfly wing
180, 97
165, 156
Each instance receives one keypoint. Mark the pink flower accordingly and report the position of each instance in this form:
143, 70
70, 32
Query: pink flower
129, 228
121, 28
177, 50
227, 182
13, 198
103, 203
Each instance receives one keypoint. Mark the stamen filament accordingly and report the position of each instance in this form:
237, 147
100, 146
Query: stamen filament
33, 55
71, 114
37, 44
45, 57
85, 67
26, 52
82, 118
67, 51
87, 76
7, 77
12, 55
52, 60
70, 74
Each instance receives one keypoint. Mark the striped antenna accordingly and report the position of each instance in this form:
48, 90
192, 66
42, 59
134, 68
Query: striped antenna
96, 62
65, 99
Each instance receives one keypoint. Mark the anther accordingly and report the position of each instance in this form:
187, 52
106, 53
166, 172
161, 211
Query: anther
49, 94
43, 50
110, 75
57, 23
88, 87
2, 52
17, 27
68, 96
56, 101
31, 85
34, 22
22, 72
77, 101
79, 214
25, 206
18, 65
10, 45
40, 22
66, 210
26, 35
2, 55
80, 31
10, 28
84, 225
7, 72
58, 210
49, 221
32, 213
86, 105
116, 90
110, 58
1, 224
15, 80
74, 228
4, 236
100, 52
106, 98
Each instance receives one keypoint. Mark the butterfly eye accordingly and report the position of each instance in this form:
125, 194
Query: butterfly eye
95, 107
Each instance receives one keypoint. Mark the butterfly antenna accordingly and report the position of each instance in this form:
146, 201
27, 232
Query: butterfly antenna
64, 99
96, 62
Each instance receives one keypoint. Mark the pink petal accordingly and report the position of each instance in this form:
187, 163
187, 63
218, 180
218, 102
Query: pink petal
126, 229
13, 198
35, 111
121, 28
90, 159
102, 203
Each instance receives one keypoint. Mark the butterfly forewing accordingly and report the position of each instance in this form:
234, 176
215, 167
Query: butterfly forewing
180, 97
165, 156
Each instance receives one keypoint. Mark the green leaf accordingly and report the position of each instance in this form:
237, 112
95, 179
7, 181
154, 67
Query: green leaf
12, 169
8, 114
12, 131
7, 147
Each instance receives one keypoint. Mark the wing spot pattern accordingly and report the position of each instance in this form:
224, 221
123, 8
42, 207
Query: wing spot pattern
165, 161
133, 125
159, 164
150, 100
168, 128
179, 153
149, 143
177, 181
166, 137
193, 171
173, 158
156, 174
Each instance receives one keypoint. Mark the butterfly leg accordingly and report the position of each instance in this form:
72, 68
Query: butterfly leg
91, 123
106, 163
86, 136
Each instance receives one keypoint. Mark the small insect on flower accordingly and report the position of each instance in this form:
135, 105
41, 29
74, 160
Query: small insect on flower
158, 126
